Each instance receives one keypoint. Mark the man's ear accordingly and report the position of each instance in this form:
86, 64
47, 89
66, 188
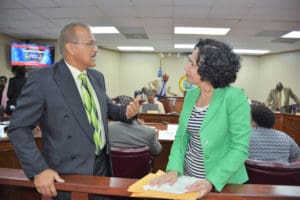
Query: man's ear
70, 48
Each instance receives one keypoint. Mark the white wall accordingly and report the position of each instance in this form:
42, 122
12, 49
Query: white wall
126, 72
108, 62
5, 69
284, 67
247, 76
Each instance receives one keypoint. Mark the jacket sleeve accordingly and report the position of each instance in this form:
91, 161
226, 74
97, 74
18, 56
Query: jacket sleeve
294, 97
238, 131
24, 119
269, 99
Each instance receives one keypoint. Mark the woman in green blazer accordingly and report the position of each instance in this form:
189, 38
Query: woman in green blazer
214, 125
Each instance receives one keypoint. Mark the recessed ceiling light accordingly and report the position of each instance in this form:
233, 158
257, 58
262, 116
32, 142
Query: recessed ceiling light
132, 48
104, 29
201, 30
184, 46
292, 34
250, 51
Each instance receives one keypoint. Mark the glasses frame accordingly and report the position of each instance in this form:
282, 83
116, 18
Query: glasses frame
90, 45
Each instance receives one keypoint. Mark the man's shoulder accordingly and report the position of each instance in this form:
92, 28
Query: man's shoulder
130, 128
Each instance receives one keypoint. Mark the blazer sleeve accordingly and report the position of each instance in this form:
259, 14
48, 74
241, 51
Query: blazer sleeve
238, 119
155, 144
24, 119
294, 97
269, 99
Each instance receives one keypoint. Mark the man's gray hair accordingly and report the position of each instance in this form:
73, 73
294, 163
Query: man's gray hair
68, 34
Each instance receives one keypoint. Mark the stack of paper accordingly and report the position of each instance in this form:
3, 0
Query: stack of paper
168, 134
141, 188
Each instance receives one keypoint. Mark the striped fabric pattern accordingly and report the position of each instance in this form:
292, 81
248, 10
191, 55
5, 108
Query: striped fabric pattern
91, 111
194, 164
272, 145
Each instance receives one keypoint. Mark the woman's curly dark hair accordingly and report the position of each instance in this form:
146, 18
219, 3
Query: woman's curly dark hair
217, 63
262, 116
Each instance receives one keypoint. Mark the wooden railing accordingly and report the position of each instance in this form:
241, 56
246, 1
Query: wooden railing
81, 186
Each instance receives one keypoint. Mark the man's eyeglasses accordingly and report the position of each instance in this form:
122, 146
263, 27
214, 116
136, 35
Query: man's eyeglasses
90, 45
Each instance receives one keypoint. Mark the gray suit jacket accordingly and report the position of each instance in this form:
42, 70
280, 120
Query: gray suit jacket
51, 100
272, 99
133, 135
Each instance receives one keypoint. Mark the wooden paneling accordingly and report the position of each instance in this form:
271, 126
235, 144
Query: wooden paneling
159, 118
288, 123
8, 157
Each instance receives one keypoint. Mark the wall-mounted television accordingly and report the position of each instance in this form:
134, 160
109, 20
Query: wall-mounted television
31, 55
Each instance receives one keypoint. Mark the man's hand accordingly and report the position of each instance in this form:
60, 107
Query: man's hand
133, 108
44, 182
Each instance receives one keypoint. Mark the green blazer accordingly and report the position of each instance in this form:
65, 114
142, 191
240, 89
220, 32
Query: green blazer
224, 136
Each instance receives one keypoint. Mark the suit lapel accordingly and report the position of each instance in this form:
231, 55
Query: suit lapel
67, 85
213, 106
212, 109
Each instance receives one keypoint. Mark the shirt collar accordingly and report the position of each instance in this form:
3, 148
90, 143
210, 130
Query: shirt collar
74, 71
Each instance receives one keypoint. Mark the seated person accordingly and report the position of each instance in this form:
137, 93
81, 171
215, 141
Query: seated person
133, 134
143, 93
267, 143
152, 105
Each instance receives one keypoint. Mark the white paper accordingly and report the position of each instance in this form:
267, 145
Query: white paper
172, 128
168, 134
2, 132
177, 188
165, 135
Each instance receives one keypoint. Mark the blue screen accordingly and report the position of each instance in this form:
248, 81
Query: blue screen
32, 55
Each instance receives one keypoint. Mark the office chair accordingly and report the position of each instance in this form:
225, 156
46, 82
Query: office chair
264, 172
131, 162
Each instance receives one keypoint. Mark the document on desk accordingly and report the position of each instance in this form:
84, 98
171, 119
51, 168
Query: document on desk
177, 188
168, 134
141, 189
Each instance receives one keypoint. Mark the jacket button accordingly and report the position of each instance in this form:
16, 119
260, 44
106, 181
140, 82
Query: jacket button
69, 136
73, 157
66, 116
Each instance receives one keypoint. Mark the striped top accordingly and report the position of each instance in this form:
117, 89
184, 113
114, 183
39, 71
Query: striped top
194, 164
272, 145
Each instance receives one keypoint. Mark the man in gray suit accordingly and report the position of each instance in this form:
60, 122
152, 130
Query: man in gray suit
279, 98
133, 135
52, 99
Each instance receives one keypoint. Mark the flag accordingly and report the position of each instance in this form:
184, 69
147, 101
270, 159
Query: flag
159, 72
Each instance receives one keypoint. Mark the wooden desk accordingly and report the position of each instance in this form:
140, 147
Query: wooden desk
81, 185
8, 157
159, 118
288, 123
172, 104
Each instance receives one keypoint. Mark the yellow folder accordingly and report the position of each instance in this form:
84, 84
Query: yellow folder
138, 191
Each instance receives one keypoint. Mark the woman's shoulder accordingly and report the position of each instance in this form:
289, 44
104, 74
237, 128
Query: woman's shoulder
233, 91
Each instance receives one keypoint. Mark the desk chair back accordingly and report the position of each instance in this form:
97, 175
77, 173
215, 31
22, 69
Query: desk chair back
131, 162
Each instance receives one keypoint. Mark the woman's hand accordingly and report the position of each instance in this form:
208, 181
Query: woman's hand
169, 177
203, 187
